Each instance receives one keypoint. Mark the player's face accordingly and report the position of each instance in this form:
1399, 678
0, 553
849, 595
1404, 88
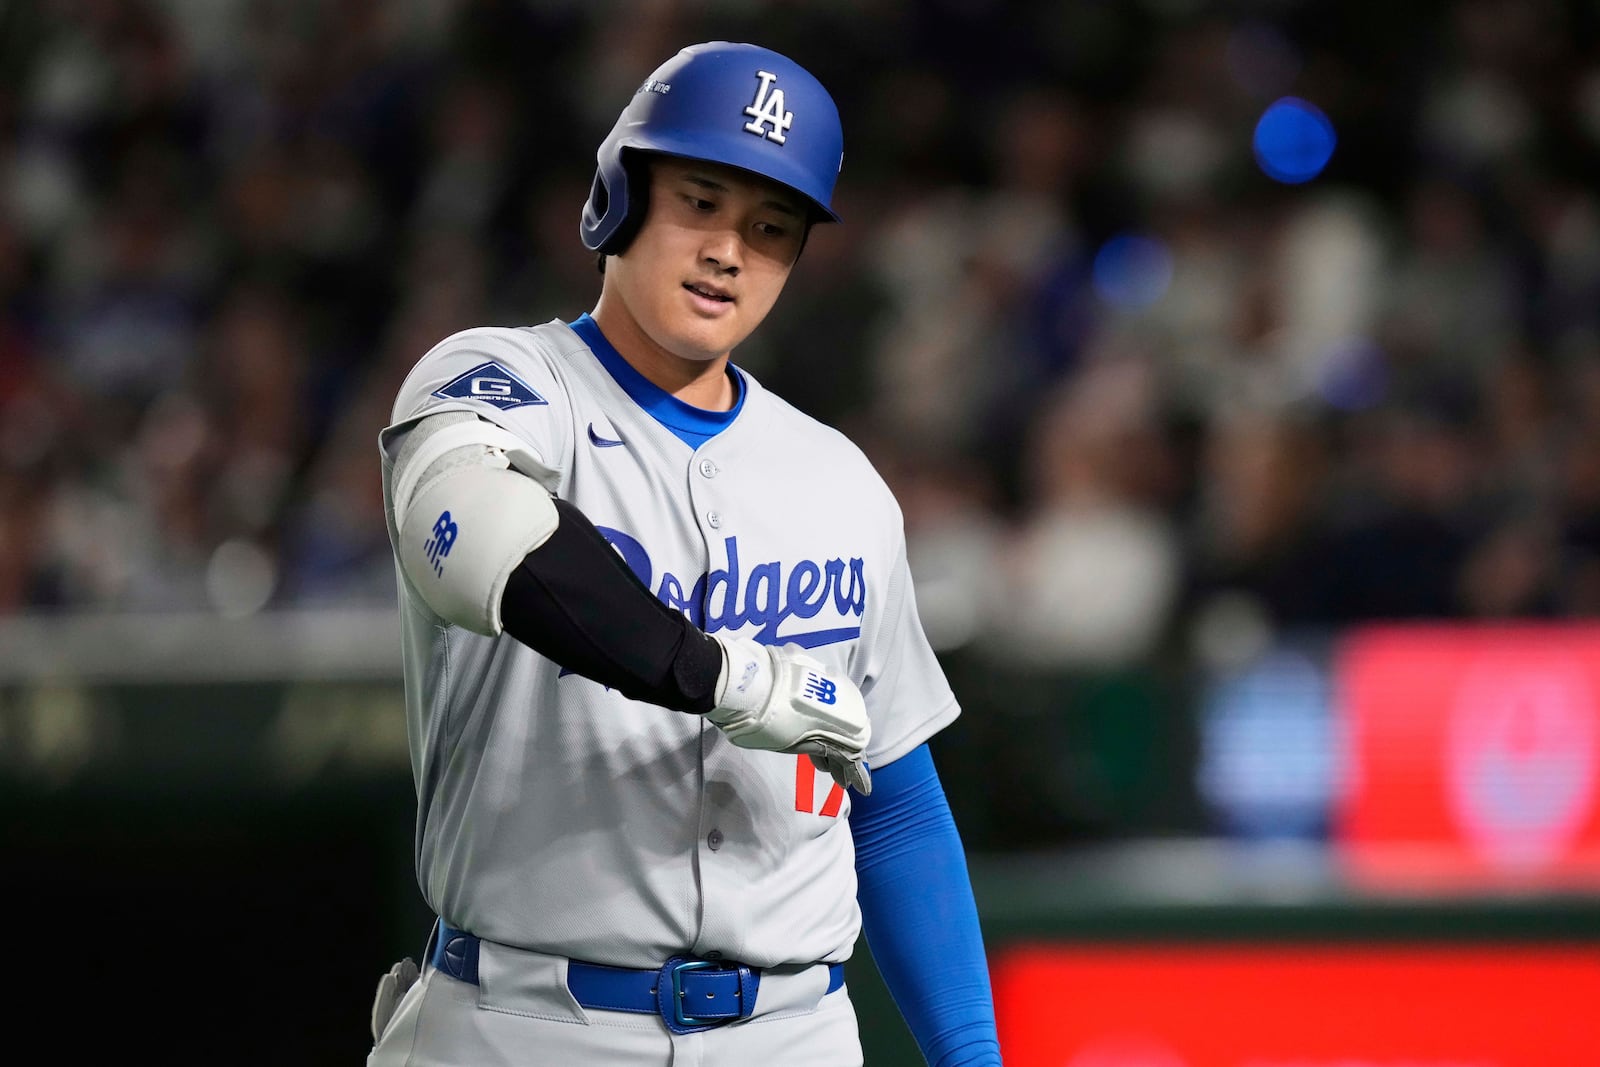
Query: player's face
715, 250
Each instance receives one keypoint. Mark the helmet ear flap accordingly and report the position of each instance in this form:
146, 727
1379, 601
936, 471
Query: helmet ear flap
597, 221
609, 200
636, 173
599, 195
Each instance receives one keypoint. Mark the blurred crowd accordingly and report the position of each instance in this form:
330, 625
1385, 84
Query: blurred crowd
1141, 402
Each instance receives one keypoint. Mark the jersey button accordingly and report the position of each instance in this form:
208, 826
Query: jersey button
708, 468
714, 839
714, 520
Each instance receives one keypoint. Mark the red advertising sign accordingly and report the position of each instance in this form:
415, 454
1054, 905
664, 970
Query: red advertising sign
1474, 756
1379, 1005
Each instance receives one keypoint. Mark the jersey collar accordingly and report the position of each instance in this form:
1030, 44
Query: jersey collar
692, 424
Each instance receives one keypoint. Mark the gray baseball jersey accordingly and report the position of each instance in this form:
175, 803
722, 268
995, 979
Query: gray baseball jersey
557, 815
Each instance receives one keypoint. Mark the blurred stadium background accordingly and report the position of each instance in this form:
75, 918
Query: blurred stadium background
1237, 366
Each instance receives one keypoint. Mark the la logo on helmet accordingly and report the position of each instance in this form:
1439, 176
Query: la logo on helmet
768, 108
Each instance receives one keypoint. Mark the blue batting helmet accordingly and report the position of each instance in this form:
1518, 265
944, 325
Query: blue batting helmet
736, 104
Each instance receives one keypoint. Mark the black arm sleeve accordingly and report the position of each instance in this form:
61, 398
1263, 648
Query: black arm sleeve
575, 601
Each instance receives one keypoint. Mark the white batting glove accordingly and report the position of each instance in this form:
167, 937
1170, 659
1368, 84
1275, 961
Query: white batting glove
782, 700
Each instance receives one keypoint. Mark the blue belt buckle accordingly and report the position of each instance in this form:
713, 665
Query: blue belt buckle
678, 998
691, 1023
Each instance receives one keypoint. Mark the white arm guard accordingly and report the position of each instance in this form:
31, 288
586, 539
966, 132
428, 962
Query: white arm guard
469, 523
455, 438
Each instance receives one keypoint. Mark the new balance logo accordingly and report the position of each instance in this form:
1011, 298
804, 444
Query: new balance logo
822, 690
444, 538
767, 109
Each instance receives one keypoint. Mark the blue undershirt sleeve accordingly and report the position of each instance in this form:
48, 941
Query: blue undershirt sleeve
918, 913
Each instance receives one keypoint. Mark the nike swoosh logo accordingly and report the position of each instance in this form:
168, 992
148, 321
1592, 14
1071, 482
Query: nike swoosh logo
601, 442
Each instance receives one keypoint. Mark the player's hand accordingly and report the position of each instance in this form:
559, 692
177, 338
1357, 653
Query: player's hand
851, 773
782, 700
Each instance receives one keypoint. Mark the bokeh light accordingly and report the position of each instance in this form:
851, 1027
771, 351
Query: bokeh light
1293, 141
1132, 271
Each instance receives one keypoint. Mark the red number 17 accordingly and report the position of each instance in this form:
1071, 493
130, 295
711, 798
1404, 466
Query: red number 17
805, 790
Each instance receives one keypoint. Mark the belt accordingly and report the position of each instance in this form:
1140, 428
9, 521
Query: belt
689, 994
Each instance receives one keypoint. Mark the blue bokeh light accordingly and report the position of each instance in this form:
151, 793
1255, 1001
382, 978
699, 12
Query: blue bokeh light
1132, 271
1293, 141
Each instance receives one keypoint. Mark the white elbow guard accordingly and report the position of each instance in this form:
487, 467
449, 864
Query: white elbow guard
463, 534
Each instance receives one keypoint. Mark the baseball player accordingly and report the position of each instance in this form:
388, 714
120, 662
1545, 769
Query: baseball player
667, 693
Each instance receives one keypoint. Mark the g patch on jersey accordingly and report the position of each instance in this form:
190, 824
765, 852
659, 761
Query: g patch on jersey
493, 384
